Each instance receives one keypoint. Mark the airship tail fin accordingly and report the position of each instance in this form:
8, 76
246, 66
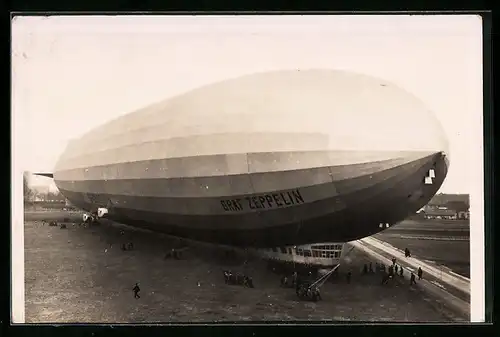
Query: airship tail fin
50, 175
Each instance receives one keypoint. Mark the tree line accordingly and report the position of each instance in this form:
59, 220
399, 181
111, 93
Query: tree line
31, 194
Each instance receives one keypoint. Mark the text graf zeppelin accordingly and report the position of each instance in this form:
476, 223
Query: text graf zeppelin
263, 201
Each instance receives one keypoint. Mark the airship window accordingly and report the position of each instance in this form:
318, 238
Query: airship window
307, 253
283, 250
274, 249
290, 251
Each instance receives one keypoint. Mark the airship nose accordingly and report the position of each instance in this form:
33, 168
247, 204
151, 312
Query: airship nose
436, 171
441, 164
445, 156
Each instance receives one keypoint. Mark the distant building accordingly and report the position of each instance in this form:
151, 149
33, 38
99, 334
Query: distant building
448, 214
463, 215
439, 213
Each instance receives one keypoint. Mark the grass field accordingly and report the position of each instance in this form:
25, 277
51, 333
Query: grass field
81, 275
454, 255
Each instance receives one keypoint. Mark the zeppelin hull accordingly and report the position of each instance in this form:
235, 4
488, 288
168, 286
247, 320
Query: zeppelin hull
238, 163
341, 208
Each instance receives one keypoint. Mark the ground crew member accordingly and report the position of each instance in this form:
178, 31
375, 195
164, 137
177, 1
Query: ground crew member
349, 277
124, 247
365, 269
396, 269
136, 290
391, 271
407, 252
412, 279
317, 295
420, 273
385, 278
401, 272
370, 268
393, 261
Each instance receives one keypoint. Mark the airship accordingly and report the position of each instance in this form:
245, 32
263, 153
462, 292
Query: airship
270, 159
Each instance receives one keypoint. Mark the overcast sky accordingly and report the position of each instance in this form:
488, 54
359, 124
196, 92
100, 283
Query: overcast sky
71, 74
